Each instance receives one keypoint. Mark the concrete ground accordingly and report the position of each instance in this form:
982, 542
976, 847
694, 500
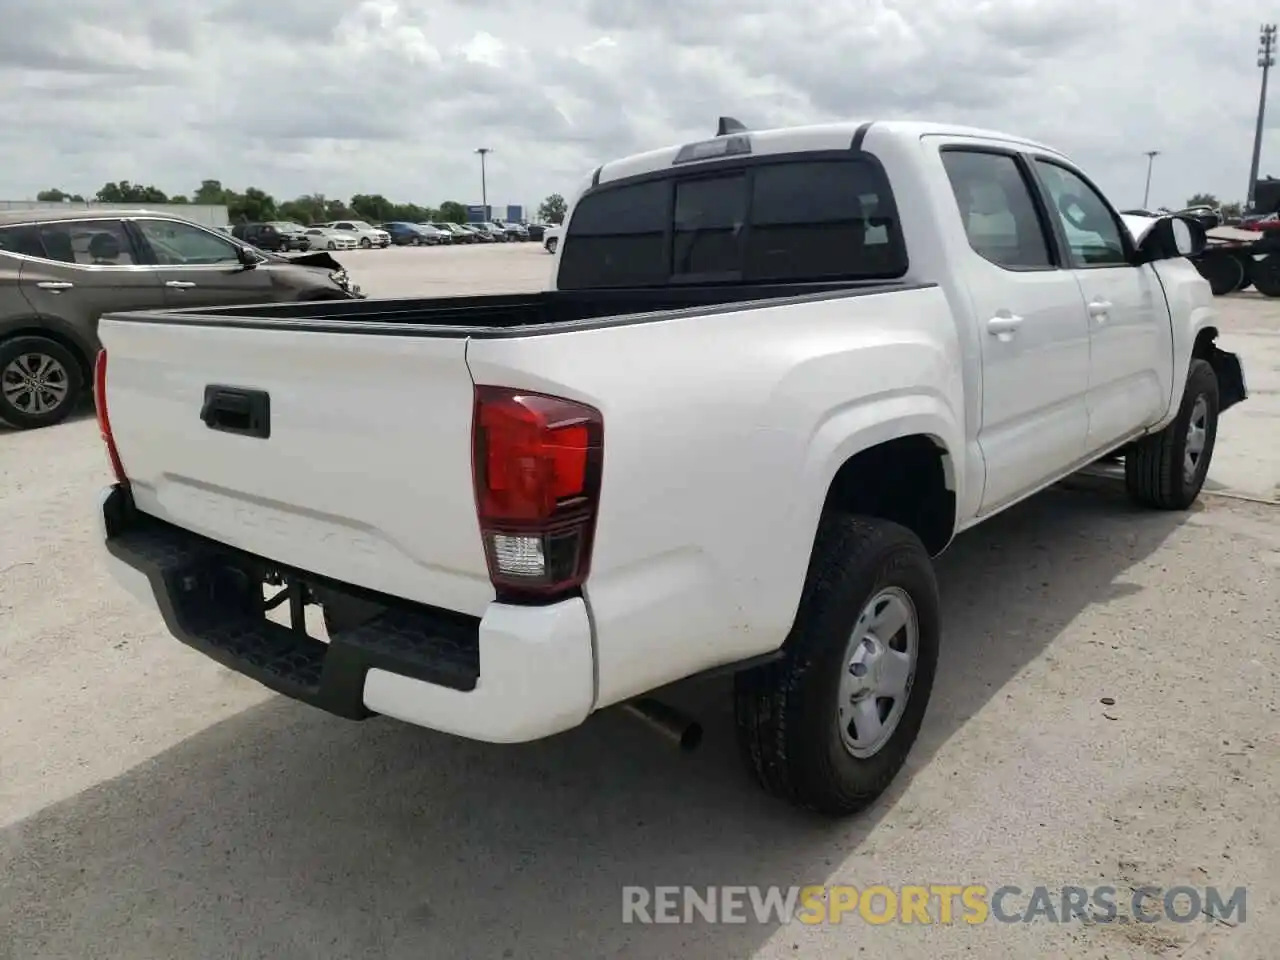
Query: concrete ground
155, 805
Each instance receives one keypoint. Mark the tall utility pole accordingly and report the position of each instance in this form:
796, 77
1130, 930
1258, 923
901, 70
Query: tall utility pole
1146, 194
1266, 60
484, 189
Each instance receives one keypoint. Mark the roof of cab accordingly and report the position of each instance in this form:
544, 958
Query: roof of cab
823, 136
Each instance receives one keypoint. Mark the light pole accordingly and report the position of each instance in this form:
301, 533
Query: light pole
1146, 194
484, 189
1266, 60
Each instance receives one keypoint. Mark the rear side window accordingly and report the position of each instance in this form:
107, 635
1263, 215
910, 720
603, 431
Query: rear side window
793, 220
996, 208
101, 243
23, 239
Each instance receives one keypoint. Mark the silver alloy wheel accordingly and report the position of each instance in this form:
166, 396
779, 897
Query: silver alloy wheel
877, 671
35, 383
1197, 434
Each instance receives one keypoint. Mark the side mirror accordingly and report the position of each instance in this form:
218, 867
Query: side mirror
248, 259
1171, 237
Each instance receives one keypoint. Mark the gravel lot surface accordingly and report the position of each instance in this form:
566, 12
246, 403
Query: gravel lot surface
155, 805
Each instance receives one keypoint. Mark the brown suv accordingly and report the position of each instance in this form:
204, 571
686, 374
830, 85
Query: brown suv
60, 270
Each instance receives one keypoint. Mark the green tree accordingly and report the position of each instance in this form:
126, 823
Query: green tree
252, 205
304, 210
1202, 200
552, 209
451, 211
59, 196
211, 192
1233, 210
179, 199
122, 191
372, 207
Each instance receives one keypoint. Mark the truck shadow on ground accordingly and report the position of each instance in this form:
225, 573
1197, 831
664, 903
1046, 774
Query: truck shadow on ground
283, 832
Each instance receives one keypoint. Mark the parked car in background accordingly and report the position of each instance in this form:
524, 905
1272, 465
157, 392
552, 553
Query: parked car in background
459, 233
367, 236
322, 238
495, 232
61, 270
264, 236
478, 235
515, 231
536, 230
407, 234
437, 235
551, 238
296, 233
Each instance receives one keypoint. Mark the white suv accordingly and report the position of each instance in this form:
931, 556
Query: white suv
366, 235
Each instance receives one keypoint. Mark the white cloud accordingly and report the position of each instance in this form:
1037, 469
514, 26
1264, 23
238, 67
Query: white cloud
393, 96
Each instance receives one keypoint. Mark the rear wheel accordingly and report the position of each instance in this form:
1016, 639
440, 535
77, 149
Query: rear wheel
40, 382
1246, 281
1265, 274
331, 246
1223, 271
366, 242
1167, 470
551, 245
830, 724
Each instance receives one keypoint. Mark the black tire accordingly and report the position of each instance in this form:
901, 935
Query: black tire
332, 246
786, 711
67, 372
366, 243
552, 244
1246, 281
1223, 271
1155, 473
1265, 275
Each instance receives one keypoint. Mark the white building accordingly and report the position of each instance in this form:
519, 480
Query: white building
211, 215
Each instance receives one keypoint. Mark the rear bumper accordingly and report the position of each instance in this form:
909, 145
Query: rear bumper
516, 674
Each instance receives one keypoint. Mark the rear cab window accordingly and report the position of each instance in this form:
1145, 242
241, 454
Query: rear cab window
775, 219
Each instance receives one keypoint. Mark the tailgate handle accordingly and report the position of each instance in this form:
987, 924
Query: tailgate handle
235, 410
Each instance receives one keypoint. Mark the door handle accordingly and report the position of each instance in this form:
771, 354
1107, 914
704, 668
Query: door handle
55, 285
1098, 309
179, 284
1003, 326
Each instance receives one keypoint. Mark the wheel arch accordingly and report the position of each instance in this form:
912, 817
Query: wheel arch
909, 479
60, 333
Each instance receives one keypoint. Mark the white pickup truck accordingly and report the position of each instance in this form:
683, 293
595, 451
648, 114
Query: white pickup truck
777, 373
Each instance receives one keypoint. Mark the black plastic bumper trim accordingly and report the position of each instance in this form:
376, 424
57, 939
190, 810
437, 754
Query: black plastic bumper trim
210, 596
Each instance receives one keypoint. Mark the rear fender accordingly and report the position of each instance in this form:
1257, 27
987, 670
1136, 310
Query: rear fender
844, 434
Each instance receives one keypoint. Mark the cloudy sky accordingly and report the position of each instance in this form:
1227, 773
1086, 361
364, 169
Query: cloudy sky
393, 96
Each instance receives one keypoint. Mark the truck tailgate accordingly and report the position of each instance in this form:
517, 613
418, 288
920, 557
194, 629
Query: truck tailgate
365, 474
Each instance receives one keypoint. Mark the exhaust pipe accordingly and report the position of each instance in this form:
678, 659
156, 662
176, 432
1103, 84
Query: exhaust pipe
669, 722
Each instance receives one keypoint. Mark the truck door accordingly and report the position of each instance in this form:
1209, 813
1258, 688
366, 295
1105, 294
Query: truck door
1033, 328
1130, 338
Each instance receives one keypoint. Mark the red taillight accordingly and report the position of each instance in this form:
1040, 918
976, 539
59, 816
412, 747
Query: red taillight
536, 461
104, 422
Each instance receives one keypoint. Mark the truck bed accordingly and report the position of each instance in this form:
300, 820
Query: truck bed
500, 315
